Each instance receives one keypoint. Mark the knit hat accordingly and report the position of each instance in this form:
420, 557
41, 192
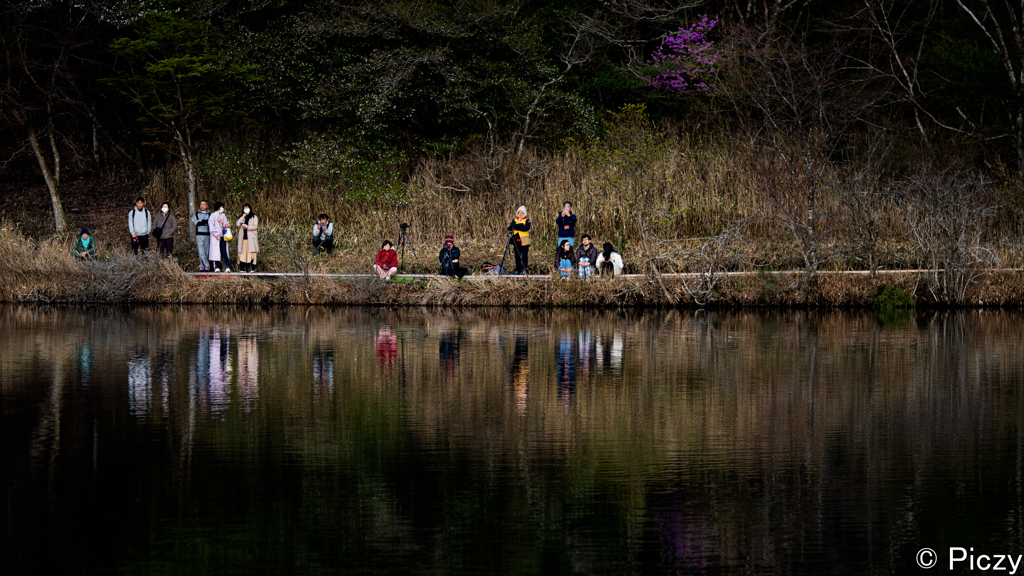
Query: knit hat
449, 238
523, 210
84, 231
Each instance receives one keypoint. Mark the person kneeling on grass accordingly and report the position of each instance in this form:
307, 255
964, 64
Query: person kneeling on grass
566, 258
609, 262
386, 263
84, 247
449, 258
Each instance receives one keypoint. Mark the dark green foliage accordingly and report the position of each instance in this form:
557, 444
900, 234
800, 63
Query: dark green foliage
894, 305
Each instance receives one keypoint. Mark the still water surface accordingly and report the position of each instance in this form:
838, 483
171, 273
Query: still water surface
318, 441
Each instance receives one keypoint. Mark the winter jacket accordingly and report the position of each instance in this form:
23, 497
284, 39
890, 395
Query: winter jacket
521, 228
564, 221
218, 222
140, 222
248, 235
591, 253
329, 233
168, 225
448, 258
202, 223
616, 260
386, 259
570, 256
81, 249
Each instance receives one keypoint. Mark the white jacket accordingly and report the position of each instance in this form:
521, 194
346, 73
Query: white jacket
616, 260
140, 222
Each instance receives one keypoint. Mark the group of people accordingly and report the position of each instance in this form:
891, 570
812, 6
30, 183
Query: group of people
584, 261
213, 232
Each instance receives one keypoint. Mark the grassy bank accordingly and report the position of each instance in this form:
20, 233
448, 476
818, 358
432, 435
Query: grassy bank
44, 272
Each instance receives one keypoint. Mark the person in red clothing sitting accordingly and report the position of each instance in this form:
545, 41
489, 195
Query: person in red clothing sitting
386, 264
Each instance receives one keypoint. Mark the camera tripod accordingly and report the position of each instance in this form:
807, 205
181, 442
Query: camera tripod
403, 240
511, 245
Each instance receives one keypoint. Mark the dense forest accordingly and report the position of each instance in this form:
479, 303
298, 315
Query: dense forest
881, 133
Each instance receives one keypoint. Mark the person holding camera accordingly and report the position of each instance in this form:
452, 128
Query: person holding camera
386, 262
449, 257
520, 229
566, 222
323, 235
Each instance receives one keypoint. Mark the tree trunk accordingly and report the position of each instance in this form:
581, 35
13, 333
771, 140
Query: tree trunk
52, 180
1019, 129
190, 177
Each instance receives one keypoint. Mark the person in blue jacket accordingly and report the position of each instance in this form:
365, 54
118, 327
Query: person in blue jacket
566, 222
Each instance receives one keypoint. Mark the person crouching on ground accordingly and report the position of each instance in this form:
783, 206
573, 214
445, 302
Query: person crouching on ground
586, 257
323, 235
164, 227
520, 229
449, 257
566, 258
248, 246
219, 256
386, 262
609, 262
201, 220
84, 247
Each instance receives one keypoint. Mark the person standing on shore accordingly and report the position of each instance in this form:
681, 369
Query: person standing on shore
201, 220
84, 247
323, 235
247, 241
219, 256
520, 229
386, 262
586, 257
140, 222
566, 222
164, 227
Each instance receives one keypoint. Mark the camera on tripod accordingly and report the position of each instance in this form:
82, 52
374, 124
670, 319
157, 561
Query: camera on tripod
403, 225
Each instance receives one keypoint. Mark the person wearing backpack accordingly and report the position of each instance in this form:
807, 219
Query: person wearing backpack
140, 223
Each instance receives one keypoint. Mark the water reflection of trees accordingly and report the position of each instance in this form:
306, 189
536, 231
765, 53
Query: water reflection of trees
703, 425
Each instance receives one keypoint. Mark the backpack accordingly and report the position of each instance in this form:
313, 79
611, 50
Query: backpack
489, 269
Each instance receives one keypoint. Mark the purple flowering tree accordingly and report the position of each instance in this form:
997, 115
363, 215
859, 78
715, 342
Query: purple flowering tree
686, 59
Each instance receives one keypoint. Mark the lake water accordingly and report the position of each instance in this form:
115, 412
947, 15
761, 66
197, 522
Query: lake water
322, 441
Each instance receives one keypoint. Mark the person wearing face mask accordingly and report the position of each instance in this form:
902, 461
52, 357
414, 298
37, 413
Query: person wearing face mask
247, 244
201, 220
140, 221
164, 227
219, 256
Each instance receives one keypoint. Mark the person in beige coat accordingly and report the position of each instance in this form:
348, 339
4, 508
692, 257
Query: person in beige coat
248, 246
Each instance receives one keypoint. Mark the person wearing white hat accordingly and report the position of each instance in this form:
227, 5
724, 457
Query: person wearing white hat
520, 229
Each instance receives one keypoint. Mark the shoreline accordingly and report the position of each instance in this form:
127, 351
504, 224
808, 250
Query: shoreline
163, 283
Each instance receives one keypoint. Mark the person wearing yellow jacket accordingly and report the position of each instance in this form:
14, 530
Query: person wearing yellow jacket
520, 229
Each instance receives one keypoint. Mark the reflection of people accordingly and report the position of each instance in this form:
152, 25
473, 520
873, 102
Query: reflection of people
521, 372
448, 350
248, 371
566, 369
566, 222
323, 375
566, 258
140, 382
220, 258
387, 347
386, 262
449, 258
323, 234
520, 229
586, 258
609, 262
201, 220
248, 241
84, 247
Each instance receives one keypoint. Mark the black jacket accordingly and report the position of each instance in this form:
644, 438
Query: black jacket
449, 266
